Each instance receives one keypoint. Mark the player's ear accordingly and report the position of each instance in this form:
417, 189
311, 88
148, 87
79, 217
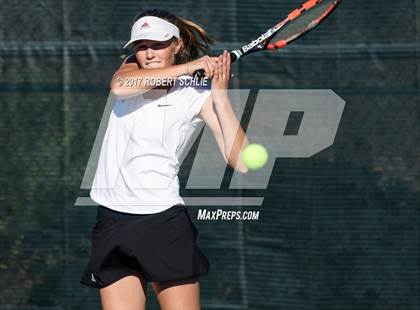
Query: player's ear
178, 45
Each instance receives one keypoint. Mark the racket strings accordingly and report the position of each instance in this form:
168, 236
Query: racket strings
301, 20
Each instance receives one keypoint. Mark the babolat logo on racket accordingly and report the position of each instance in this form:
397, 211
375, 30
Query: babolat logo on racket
296, 24
261, 38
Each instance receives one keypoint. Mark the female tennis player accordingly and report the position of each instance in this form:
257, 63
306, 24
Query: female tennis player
143, 232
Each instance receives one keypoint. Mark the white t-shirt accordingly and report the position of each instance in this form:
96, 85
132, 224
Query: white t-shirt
138, 165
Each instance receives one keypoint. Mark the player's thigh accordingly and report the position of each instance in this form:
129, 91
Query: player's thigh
184, 294
128, 293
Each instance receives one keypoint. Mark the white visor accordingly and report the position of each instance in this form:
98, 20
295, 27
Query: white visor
152, 28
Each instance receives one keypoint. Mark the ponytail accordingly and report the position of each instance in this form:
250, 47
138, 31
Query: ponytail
191, 35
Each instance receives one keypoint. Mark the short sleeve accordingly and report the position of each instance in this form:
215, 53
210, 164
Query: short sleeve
200, 94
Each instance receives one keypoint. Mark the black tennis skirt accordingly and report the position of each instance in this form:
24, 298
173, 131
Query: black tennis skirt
161, 247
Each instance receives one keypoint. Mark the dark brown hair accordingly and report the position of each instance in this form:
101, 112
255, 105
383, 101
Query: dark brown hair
196, 41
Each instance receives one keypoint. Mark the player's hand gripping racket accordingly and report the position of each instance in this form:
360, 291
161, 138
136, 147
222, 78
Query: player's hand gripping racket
294, 26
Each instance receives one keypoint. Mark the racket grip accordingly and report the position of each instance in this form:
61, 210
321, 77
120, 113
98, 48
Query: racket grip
199, 74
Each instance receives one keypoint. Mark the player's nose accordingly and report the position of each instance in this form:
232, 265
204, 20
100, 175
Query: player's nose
149, 52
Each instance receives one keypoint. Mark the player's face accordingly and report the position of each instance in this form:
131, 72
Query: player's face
156, 54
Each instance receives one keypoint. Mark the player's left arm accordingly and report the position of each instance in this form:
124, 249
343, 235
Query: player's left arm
218, 114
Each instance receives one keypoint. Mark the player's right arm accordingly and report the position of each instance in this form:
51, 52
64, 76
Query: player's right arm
130, 80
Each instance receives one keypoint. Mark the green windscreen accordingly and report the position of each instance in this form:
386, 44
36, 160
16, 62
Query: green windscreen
337, 230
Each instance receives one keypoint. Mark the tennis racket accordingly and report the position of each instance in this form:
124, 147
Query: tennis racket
299, 22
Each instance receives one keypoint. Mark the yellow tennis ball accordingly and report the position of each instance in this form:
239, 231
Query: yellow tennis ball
255, 156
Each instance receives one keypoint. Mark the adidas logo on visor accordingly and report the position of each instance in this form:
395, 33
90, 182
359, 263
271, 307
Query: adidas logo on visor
145, 25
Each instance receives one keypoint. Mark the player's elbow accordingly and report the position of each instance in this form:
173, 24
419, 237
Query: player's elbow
115, 88
121, 92
242, 170
116, 92
236, 162
240, 167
